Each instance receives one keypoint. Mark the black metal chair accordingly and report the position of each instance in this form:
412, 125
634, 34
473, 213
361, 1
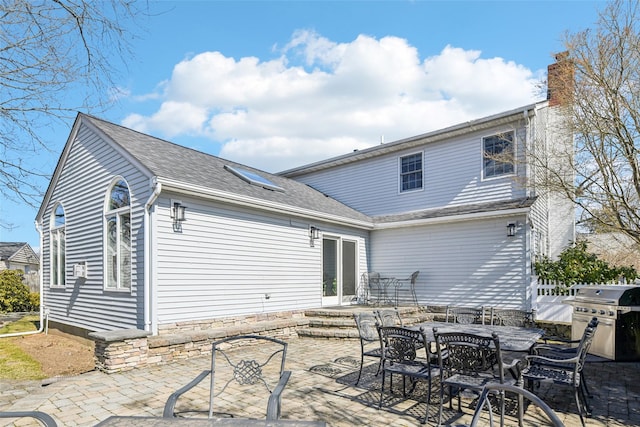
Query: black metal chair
499, 390
511, 317
467, 362
44, 419
410, 284
367, 325
465, 315
564, 349
373, 287
251, 362
401, 355
565, 371
388, 317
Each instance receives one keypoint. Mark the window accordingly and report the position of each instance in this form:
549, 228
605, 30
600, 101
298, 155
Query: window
57, 242
497, 155
411, 172
118, 237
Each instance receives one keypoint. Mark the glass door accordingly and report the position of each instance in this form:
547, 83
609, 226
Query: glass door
339, 271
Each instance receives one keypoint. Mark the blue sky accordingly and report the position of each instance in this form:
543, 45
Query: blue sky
277, 84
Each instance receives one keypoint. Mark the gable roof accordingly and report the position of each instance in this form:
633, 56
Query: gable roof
9, 249
414, 141
188, 170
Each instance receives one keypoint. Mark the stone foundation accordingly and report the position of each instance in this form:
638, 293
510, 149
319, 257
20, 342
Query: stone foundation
121, 350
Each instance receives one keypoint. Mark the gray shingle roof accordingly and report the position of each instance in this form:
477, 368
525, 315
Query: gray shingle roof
171, 161
476, 208
8, 249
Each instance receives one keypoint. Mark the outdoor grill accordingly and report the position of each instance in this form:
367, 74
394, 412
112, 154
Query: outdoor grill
617, 308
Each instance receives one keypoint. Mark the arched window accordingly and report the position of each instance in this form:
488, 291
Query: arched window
118, 236
57, 242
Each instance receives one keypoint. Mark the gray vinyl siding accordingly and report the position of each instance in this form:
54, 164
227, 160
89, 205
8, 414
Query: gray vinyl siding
83, 183
470, 263
452, 173
226, 259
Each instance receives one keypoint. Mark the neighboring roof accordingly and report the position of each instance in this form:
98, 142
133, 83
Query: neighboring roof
497, 208
9, 249
407, 143
194, 169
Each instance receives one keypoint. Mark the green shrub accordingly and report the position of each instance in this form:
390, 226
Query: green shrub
14, 294
34, 301
576, 265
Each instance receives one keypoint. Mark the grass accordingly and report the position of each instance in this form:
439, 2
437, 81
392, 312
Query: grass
15, 364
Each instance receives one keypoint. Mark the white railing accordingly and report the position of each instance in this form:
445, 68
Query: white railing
550, 297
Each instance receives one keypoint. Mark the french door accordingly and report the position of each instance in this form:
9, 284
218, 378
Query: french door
339, 271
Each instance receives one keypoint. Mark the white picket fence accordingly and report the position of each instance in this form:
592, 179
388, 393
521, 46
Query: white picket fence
550, 297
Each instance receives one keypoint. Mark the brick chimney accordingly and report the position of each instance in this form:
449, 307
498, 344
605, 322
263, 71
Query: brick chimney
560, 77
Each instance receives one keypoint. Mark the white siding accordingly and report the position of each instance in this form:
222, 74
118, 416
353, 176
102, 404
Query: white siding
225, 260
81, 188
470, 263
452, 176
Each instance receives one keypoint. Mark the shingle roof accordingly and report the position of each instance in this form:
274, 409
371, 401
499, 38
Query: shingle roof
8, 249
476, 208
177, 163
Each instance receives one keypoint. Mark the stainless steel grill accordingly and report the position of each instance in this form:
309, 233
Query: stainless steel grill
617, 308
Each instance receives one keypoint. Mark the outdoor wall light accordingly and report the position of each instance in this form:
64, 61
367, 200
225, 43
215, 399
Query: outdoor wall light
314, 234
178, 213
511, 229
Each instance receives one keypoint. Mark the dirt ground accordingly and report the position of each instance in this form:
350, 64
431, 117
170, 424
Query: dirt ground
60, 354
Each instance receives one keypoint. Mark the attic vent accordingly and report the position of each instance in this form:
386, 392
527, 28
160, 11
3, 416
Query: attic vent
253, 178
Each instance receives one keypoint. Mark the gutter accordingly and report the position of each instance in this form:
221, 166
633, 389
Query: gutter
44, 314
157, 189
451, 218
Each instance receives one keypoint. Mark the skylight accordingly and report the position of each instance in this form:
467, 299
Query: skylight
253, 178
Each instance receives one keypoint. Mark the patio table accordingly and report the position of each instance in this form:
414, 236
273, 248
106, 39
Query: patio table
386, 282
512, 338
121, 421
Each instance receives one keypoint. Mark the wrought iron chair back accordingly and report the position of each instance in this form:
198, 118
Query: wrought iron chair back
248, 361
389, 317
465, 315
467, 362
367, 325
405, 352
372, 286
509, 317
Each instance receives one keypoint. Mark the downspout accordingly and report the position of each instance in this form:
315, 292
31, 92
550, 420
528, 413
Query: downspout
43, 321
157, 189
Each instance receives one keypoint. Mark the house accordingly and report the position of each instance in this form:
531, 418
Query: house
20, 256
139, 233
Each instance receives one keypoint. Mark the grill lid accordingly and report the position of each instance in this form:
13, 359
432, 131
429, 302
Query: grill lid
622, 295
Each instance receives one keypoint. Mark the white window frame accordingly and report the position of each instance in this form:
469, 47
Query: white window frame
400, 174
57, 257
514, 153
118, 214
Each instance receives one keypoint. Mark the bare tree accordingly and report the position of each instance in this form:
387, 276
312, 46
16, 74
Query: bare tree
56, 57
596, 86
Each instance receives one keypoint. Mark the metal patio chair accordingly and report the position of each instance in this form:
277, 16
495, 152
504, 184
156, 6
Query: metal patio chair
468, 362
499, 390
367, 325
465, 315
564, 349
373, 287
44, 419
251, 363
565, 371
402, 355
410, 284
388, 317
511, 317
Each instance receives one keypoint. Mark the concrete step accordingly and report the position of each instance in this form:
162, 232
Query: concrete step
328, 333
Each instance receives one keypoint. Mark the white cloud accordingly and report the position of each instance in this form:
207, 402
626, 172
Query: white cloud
320, 98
